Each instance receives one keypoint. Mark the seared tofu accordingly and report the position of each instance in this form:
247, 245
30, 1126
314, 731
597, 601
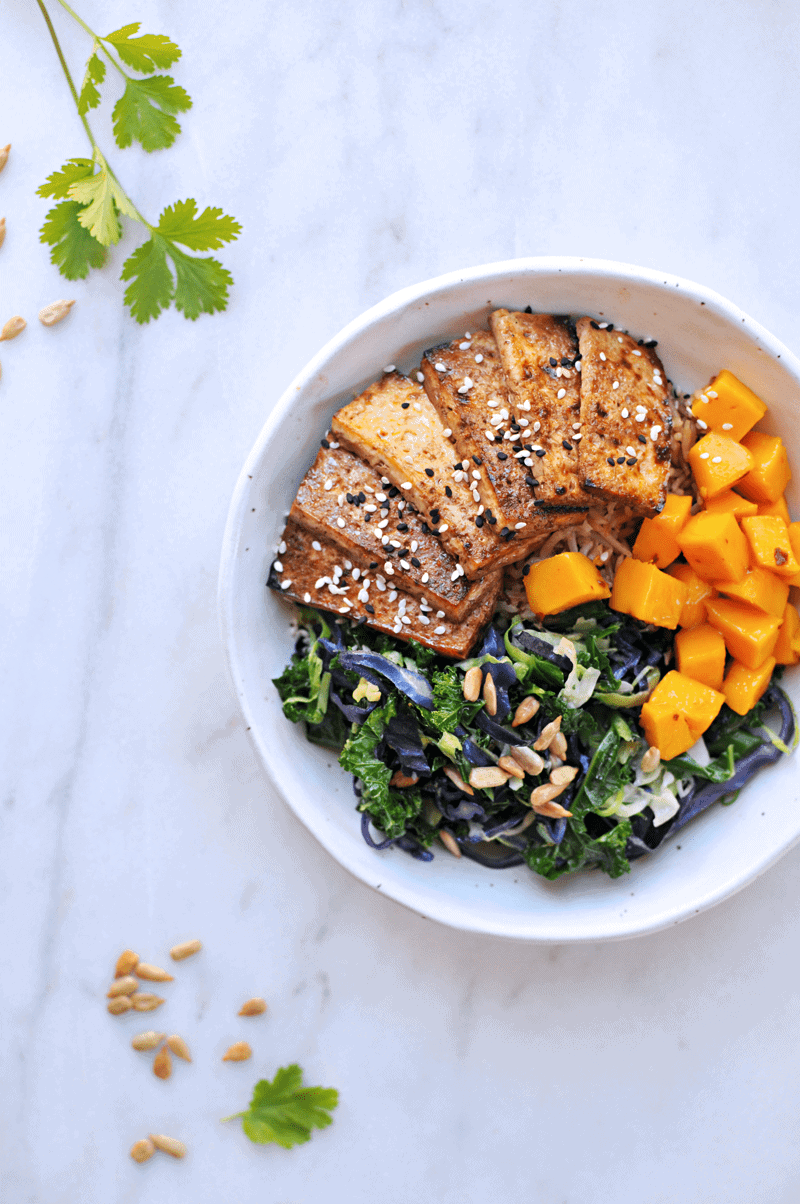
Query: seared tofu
467, 385
313, 571
625, 419
343, 500
393, 426
538, 354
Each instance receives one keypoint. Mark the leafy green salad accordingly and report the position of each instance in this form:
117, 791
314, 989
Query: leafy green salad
403, 722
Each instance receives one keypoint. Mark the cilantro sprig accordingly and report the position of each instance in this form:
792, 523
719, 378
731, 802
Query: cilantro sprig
284, 1111
91, 200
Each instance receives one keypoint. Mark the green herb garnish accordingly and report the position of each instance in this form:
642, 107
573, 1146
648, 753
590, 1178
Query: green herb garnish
284, 1111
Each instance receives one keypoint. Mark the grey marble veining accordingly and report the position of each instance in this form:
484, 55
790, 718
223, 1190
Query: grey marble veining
363, 148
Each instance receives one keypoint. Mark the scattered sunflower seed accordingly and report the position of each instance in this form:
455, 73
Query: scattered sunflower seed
119, 1004
162, 1064
547, 734
142, 1001
142, 1150
187, 949
563, 775
126, 963
490, 694
2, 230
472, 684
457, 780
526, 710
4, 150
240, 1051
450, 843
558, 746
651, 760
530, 761
144, 1042
55, 312
179, 1047
153, 973
12, 328
511, 767
170, 1145
485, 777
122, 986
253, 1007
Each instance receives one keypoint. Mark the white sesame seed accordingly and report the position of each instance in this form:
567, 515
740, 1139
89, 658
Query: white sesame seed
476, 497
528, 462
370, 509
381, 584
604, 556
318, 584
711, 393
282, 546
637, 353
526, 405
405, 619
384, 540
602, 325
447, 432
455, 575
425, 578
559, 371
476, 475
727, 426
703, 455
365, 583
615, 385
420, 377
383, 524
478, 359
463, 388
561, 393
537, 426
401, 507
306, 597
286, 583
388, 568
464, 346
703, 425
625, 413
423, 619
519, 526
417, 406
481, 509
444, 527
489, 435
578, 365
395, 543
356, 574
631, 451
575, 439
655, 431
405, 565
619, 338
494, 402
392, 595
520, 455
406, 485
363, 596
340, 499
438, 630
390, 368
328, 484
576, 426
397, 629
440, 367
384, 480
340, 522
602, 355
458, 475
716, 459
640, 417
278, 567
524, 422
465, 465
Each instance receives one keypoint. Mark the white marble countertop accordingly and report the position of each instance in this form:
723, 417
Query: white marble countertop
363, 147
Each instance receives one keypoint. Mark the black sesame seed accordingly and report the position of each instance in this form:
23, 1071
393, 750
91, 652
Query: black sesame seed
435, 515
504, 531
479, 520
369, 608
502, 455
387, 505
393, 491
553, 361
350, 498
620, 459
516, 447
404, 405
527, 310
539, 502
367, 518
609, 325
477, 460
652, 343
325, 443
489, 514
515, 426
424, 528
641, 438
565, 443
362, 497
373, 564
415, 562
525, 570
540, 452
402, 526
492, 519
594, 325
611, 461
457, 464
428, 472
448, 491
561, 489
531, 481
631, 461
566, 362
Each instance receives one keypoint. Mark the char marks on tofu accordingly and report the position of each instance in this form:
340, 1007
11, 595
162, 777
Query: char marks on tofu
316, 576
393, 426
538, 353
623, 395
343, 500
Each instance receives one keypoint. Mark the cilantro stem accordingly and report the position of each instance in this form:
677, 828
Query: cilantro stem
236, 1116
98, 41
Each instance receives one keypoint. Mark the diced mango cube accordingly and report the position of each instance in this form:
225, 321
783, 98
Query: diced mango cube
777, 508
787, 646
728, 405
678, 712
730, 503
693, 610
715, 547
718, 462
760, 588
700, 654
750, 635
656, 539
743, 687
563, 581
645, 592
794, 540
770, 473
770, 546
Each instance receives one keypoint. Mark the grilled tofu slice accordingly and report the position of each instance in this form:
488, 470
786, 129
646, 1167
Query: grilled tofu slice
538, 354
393, 426
467, 385
343, 500
312, 571
625, 419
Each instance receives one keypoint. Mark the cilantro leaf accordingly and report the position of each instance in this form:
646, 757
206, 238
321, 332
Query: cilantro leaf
205, 232
59, 183
152, 286
103, 199
284, 1111
146, 52
95, 74
201, 285
145, 112
74, 250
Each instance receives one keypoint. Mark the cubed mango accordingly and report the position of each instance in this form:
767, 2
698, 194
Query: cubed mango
715, 547
693, 610
561, 582
787, 646
656, 539
718, 462
770, 546
750, 635
643, 591
700, 654
777, 508
743, 687
728, 405
770, 474
731, 503
677, 700
760, 588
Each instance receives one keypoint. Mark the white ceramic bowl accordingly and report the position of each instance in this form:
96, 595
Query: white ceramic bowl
698, 333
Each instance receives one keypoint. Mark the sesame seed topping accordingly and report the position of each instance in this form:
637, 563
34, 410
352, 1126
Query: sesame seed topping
329, 484
561, 393
439, 630
406, 485
578, 365
286, 583
703, 455
494, 402
716, 459
519, 526
615, 385
478, 359
316, 545
390, 368
420, 377
340, 522
282, 546
537, 426
602, 355
727, 426
440, 367
444, 527
489, 435
447, 432
703, 425
625, 413
637, 353
631, 451
655, 431
711, 393
428, 472
425, 620
425, 578
278, 567
306, 597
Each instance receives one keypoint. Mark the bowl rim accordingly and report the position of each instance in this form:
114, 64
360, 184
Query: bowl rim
453, 914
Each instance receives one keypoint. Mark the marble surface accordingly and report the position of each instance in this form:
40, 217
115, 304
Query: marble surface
364, 147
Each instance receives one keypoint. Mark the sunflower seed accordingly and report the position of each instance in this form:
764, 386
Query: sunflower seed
457, 780
450, 843
153, 973
651, 760
179, 1047
4, 155
563, 775
510, 766
2, 230
144, 1002
526, 710
547, 734
126, 963
162, 1064
240, 1051
179, 952
558, 746
472, 684
490, 694
142, 1150
542, 801
55, 312
144, 1042
122, 986
253, 1007
12, 328
530, 761
487, 776
170, 1145
119, 1004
